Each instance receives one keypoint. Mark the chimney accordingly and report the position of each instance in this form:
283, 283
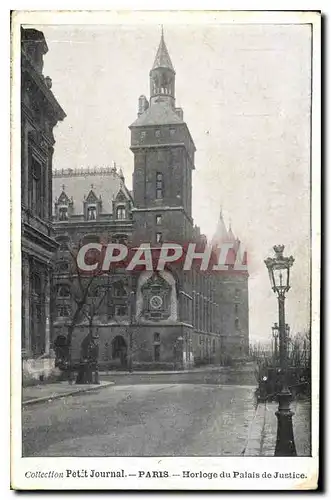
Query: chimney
142, 105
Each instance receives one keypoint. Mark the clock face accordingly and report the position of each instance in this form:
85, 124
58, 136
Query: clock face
156, 302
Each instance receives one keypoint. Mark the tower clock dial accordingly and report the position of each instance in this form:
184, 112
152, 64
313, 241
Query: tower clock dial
156, 302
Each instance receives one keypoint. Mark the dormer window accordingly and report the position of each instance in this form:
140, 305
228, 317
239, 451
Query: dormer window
91, 212
63, 213
120, 213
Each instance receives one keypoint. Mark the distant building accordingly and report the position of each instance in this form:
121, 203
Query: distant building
175, 317
40, 112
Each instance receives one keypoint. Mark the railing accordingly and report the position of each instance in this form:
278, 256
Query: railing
82, 171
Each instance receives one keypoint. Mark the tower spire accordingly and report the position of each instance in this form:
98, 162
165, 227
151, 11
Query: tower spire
162, 76
162, 58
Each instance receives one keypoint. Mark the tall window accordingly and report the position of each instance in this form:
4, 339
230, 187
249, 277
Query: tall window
63, 213
236, 323
236, 308
119, 289
157, 338
159, 186
91, 212
157, 352
121, 310
120, 213
158, 220
158, 237
36, 188
157, 346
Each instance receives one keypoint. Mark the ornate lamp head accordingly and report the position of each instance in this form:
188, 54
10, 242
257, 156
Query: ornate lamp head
279, 270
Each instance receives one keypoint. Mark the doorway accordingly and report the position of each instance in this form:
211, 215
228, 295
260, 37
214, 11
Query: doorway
119, 350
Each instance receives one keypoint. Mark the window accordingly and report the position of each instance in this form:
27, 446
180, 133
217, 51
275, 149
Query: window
62, 266
214, 346
236, 308
201, 340
63, 311
172, 131
158, 237
94, 291
37, 202
91, 212
237, 294
157, 133
236, 323
159, 186
63, 291
120, 213
63, 213
157, 352
143, 134
158, 220
157, 338
120, 310
119, 290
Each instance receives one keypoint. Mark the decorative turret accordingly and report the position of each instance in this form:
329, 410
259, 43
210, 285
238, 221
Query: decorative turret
231, 236
162, 76
221, 234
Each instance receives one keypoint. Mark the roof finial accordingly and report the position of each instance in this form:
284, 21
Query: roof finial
63, 187
162, 31
221, 212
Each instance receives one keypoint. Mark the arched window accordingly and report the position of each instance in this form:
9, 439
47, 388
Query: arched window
120, 213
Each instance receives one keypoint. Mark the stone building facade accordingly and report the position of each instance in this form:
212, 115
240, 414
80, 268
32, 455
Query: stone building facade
171, 317
40, 112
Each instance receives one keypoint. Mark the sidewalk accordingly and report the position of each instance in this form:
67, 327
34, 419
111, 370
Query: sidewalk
263, 431
47, 392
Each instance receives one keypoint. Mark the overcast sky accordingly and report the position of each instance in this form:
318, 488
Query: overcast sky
245, 91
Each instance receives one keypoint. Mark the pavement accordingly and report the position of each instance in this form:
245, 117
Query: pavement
158, 420
47, 392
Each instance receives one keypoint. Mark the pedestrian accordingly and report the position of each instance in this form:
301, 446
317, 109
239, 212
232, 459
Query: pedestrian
93, 358
83, 377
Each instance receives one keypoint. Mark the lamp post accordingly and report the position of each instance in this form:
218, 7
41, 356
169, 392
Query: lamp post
275, 335
131, 317
279, 273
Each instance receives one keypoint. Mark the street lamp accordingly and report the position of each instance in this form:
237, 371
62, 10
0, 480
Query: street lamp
279, 274
275, 334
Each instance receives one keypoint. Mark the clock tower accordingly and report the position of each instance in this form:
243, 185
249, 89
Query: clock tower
163, 161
